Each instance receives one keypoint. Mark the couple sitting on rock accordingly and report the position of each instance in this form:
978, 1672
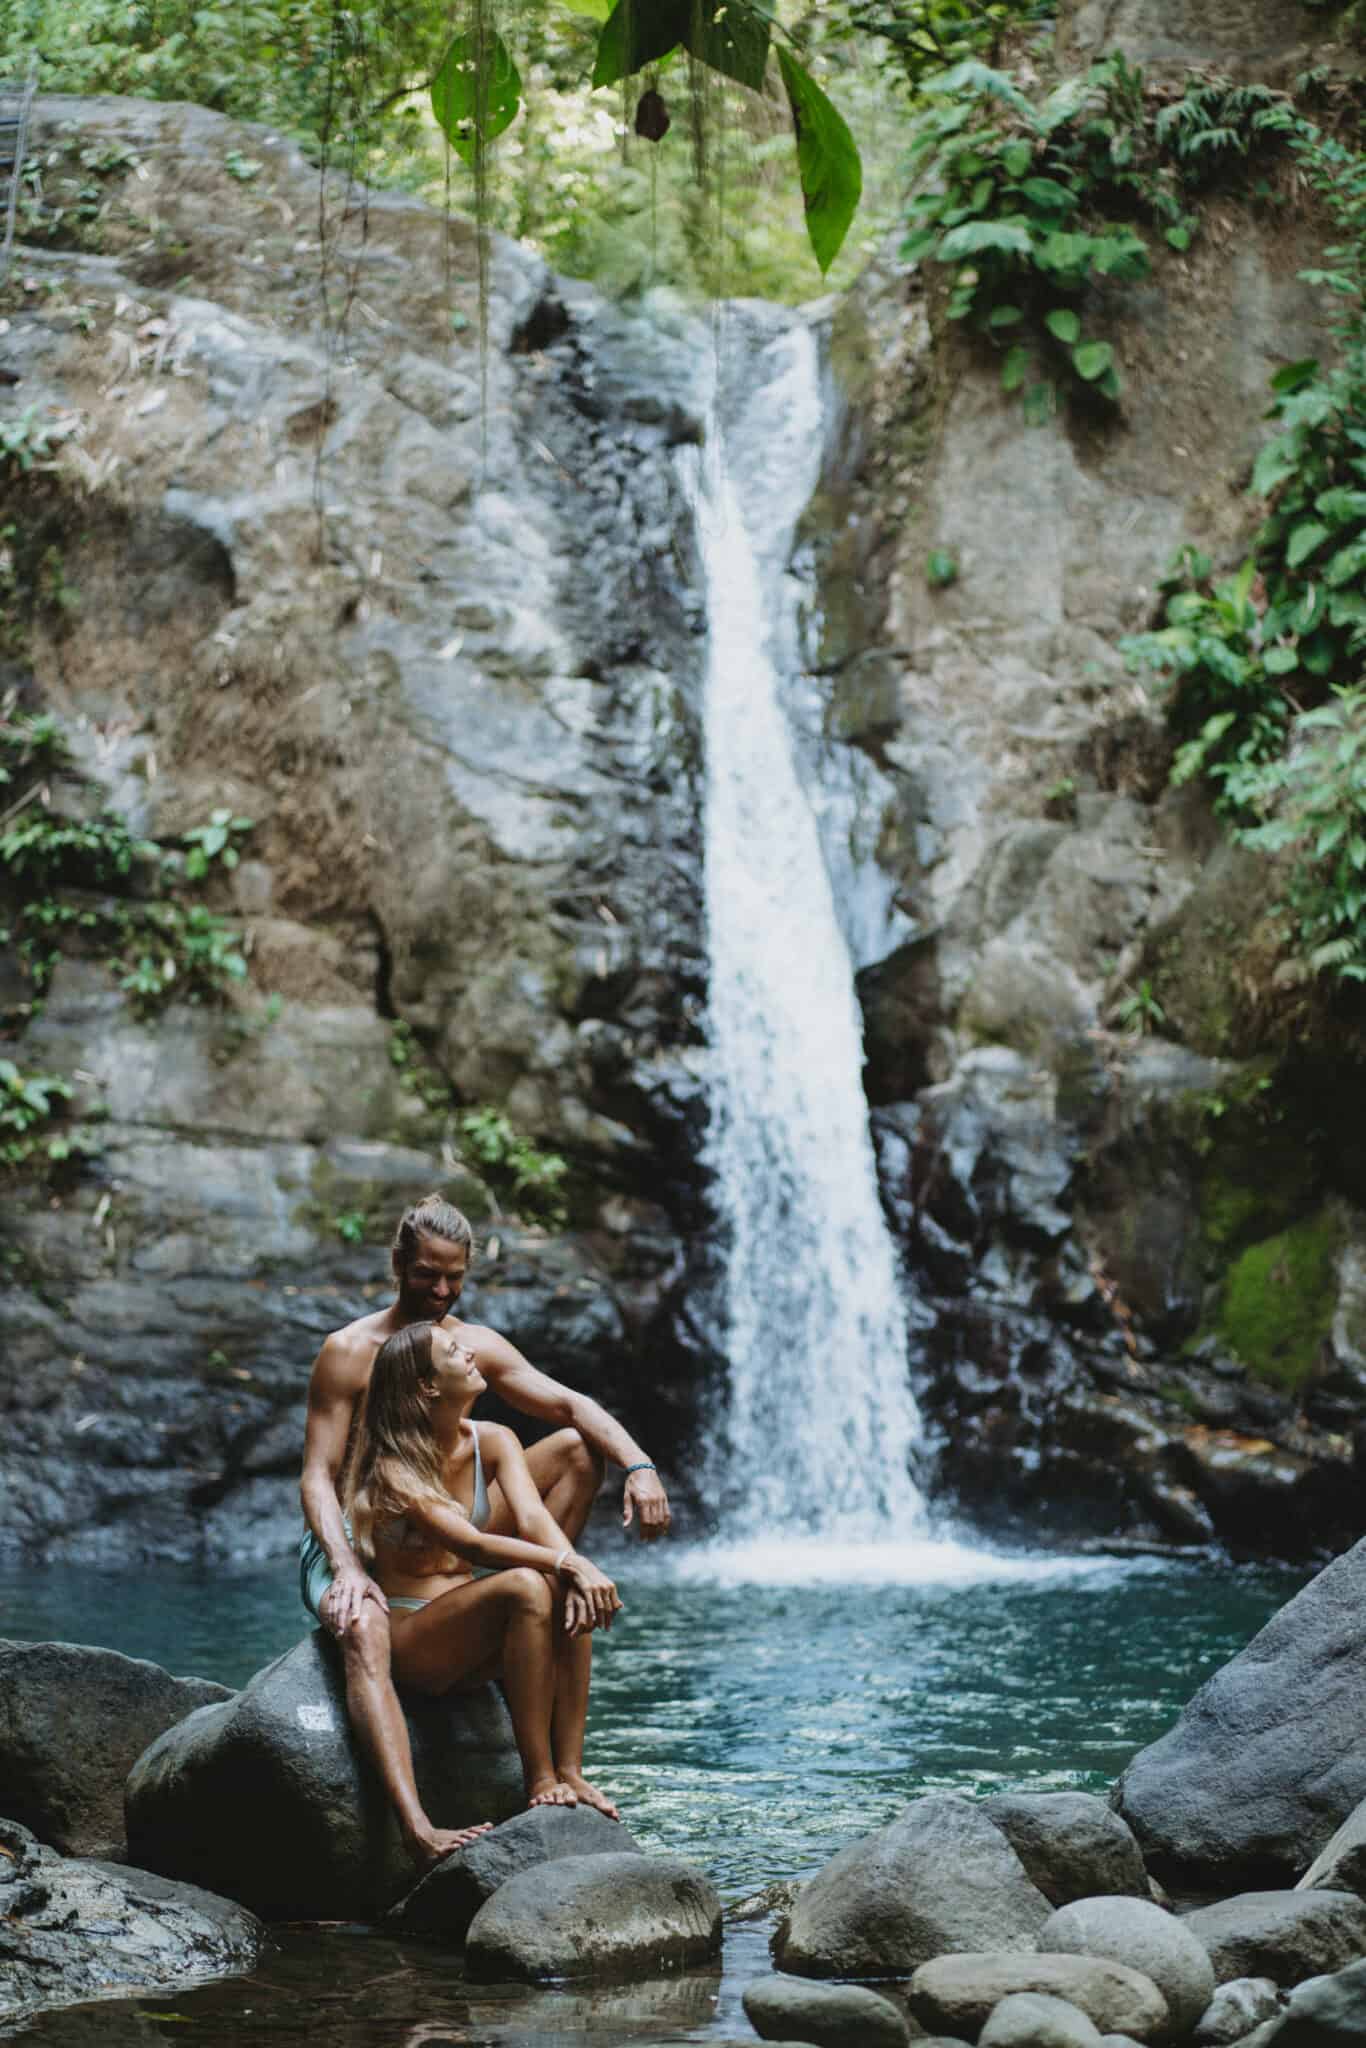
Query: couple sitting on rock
469, 1570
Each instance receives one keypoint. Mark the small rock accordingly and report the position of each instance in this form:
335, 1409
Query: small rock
73, 1722
832, 2015
1235, 2009
1035, 2019
583, 1916
1286, 1936
1071, 1844
1325, 2012
1136, 1932
939, 1878
954, 1994
451, 1894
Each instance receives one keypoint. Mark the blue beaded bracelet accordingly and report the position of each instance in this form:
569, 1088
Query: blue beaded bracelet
643, 1466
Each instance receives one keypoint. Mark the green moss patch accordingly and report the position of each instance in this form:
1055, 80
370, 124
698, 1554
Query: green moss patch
1279, 1298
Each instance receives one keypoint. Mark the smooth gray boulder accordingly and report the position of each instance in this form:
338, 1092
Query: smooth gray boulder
449, 1896
1325, 2012
940, 1878
1136, 1932
955, 1994
1269, 1757
266, 1798
1071, 1844
1036, 2019
1236, 2008
73, 1722
74, 1928
1286, 1936
831, 2015
1340, 1865
589, 1916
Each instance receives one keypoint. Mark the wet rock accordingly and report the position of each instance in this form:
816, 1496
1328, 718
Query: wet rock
1323, 2012
1033, 2019
1286, 1936
73, 1722
71, 1929
831, 2015
1136, 1932
940, 1877
1269, 1757
283, 1747
1070, 1843
1235, 2009
955, 1993
589, 1916
450, 1895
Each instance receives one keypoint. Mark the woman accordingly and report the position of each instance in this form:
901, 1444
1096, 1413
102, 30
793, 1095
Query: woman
465, 1606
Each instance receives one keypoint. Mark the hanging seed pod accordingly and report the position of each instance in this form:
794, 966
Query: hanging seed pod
652, 117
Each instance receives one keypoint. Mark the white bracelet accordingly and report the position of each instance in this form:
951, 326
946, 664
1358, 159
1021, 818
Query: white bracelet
562, 1556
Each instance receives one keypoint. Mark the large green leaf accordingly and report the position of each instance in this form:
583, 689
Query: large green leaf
1308, 535
1010, 236
456, 94
828, 162
731, 36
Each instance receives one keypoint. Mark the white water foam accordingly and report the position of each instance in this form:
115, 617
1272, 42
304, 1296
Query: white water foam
822, 1424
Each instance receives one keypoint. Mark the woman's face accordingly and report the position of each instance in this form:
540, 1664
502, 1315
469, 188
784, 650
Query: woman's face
453, 1366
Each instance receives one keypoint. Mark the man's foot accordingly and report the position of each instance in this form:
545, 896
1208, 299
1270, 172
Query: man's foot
432, 1848
587, 1794
551, 1791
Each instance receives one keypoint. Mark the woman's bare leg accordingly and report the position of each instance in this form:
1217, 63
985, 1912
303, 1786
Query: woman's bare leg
573, 1671
505, 1621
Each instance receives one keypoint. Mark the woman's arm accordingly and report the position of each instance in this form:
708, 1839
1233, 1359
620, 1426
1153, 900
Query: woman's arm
506, 1462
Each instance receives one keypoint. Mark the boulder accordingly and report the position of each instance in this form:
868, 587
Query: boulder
1136, 1932
72, 1929
1236, 2008
1286, 1936
832, 2015
1070, 1843
955, 1993
266, 1797
588, 1916
1340, 1865
940, 1878
449, 1896
73, 1722
1325, 2012
1034, 2019
1269, 1757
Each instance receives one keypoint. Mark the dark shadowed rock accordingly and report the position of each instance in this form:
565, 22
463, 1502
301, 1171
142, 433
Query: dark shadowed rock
449, 1897
1136, 1932
1070, 1843
73, 1722
1286, 1936
266, 1798
1236, 2009
831, 2015
1034, 2019
1270, 1756
939, 1878
71, 1928
1340, 1865
954, 1994
588, 1916
1324, 2012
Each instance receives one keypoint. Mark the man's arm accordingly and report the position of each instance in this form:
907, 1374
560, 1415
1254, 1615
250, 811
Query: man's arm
518, 1382
334, 1387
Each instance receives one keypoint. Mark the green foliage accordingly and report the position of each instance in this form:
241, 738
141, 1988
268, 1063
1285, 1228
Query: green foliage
929, 36
941, 569
1278, 1301
178, 951
1037, 208
86, 853
216, 841
349, 1225
32, 1107
29, 441
1139, 1011
521, 1175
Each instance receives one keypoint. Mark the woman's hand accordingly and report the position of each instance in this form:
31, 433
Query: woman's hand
592, 1601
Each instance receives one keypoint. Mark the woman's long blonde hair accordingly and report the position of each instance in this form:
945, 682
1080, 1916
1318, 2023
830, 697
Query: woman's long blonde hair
395, 1458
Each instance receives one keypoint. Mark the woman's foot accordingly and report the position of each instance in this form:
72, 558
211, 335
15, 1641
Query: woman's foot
432, 1848
587, 1794
551, 1791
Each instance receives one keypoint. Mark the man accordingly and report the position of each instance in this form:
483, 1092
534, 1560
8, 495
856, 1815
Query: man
431, 1255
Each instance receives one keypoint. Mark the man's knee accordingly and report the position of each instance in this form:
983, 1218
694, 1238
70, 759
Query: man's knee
585, 1465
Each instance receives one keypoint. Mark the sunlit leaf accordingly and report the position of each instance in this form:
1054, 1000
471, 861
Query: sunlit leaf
828, 162
458, 90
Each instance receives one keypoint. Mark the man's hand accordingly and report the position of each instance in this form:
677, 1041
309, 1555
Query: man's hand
644, 1496
592, 1601
341, 1604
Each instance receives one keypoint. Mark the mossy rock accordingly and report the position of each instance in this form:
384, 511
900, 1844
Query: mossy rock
1279, 1298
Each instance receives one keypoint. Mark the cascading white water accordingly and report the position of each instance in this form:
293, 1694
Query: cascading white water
822, 1422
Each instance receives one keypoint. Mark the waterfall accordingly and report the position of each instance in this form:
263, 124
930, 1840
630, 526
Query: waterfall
822, 1423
